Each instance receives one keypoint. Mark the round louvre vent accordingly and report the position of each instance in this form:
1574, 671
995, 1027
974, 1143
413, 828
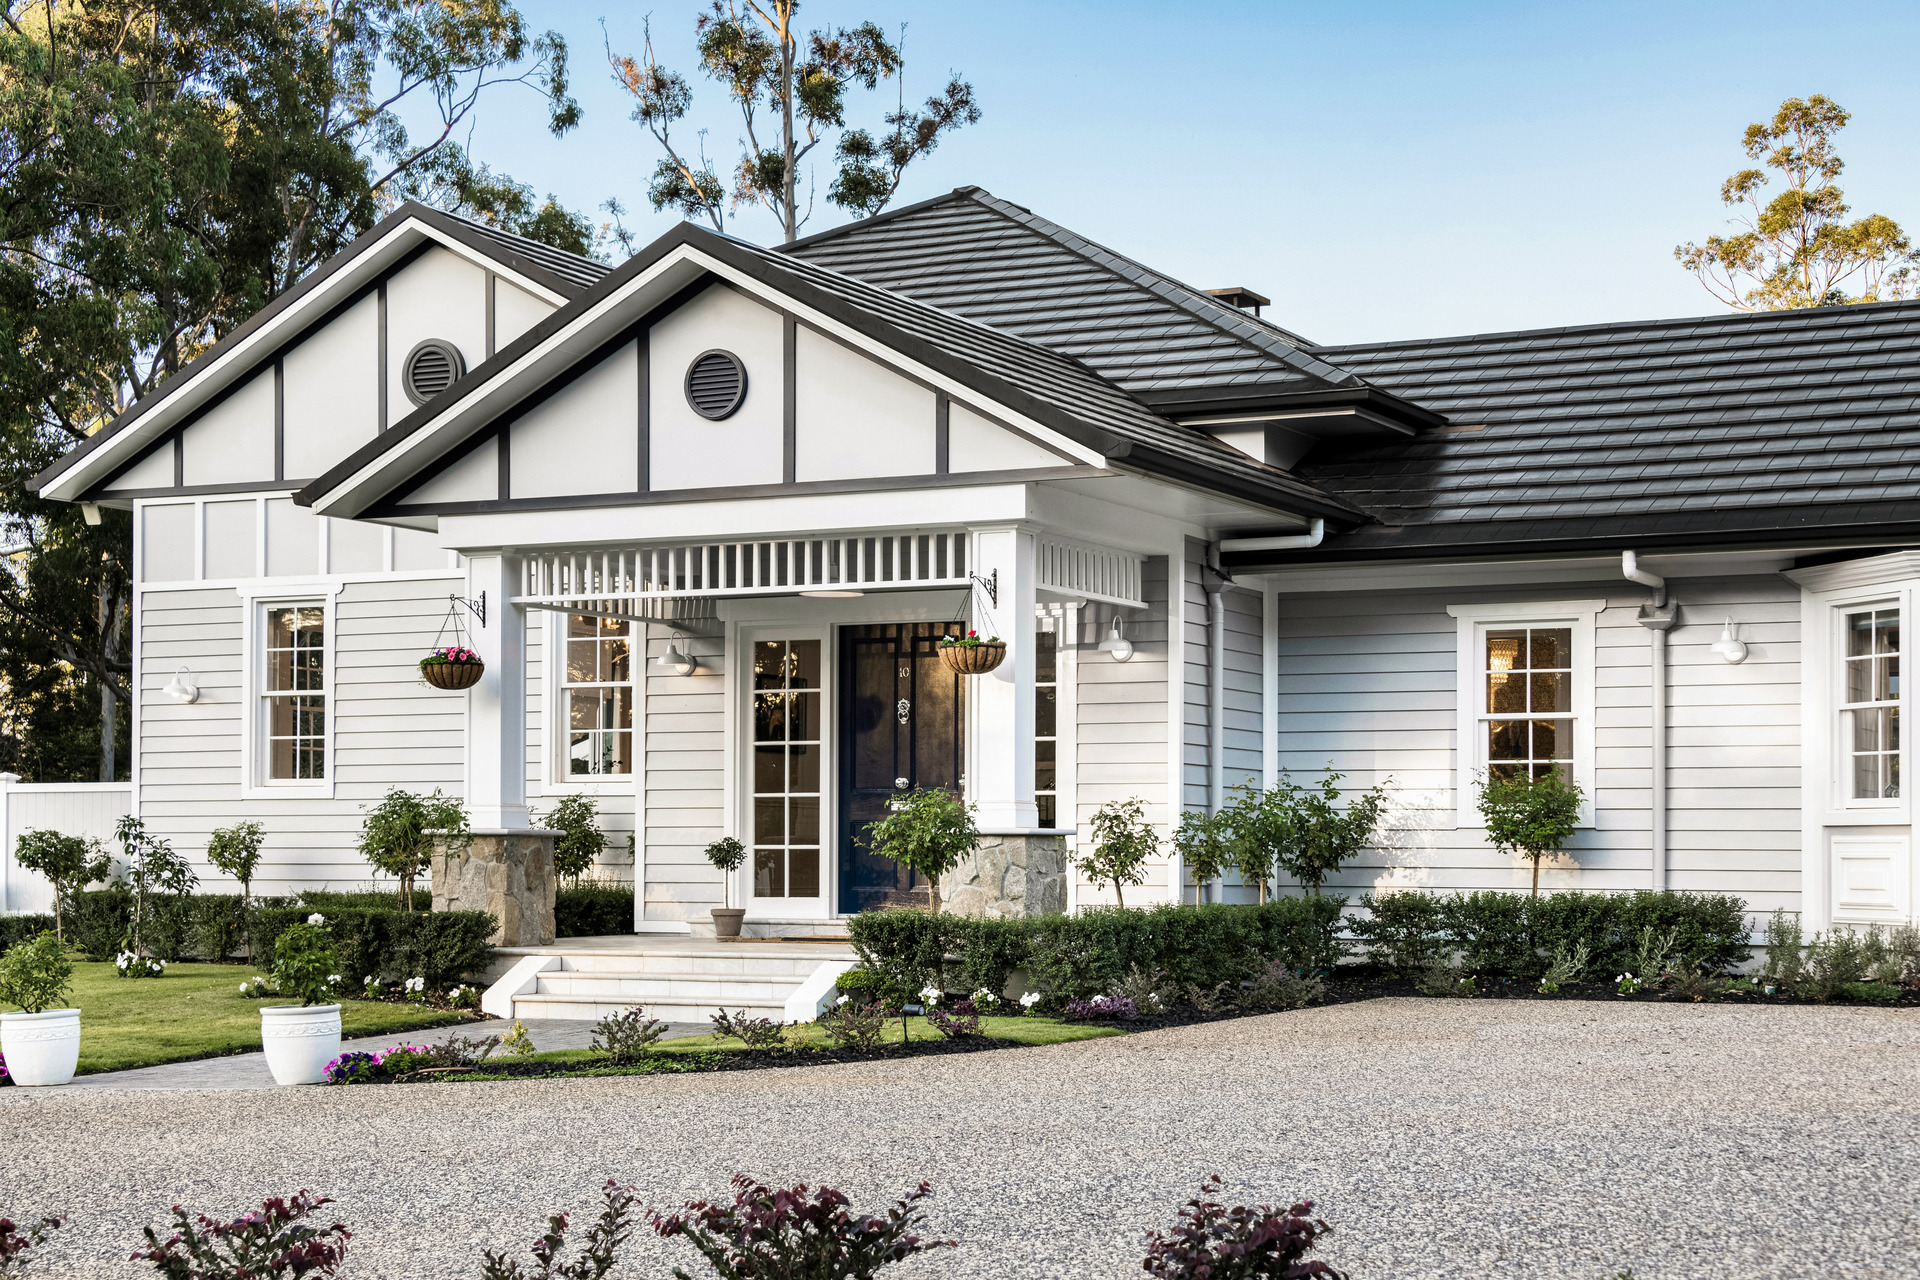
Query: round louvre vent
431, 368
716, 384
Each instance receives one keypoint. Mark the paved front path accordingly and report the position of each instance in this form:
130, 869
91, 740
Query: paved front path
1442, 1138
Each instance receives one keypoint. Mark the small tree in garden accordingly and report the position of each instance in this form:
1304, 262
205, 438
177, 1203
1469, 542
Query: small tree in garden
36, 974
1321, 836
1531, 818
235, 851
152, 868
1205, 844
726, 854
1122, 843
395, 837
68, 862
1261, 825
581, 839
929, 831
770, 1233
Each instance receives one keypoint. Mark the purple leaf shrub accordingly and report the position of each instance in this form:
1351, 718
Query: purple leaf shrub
956, 1023
1101, 1009
1213, 1242
770, 1233
15, 1242
597, 1257
276, 1240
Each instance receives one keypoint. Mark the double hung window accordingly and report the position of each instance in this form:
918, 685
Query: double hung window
293, 694
1870, 706
596, 692
1528, 711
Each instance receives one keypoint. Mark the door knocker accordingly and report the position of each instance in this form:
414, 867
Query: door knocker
901, 708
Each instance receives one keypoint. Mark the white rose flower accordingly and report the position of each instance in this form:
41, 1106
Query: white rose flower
316, 918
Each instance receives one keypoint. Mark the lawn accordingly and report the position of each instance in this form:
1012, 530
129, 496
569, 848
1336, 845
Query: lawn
1031, 1030
197, 1011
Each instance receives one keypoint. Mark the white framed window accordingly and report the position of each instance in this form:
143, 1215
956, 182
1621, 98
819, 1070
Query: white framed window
594, 696
1046, 721
1868, 741
288, 729
1525, 702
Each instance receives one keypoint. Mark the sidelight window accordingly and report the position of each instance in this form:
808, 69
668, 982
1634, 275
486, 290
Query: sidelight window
1046, 726
1870, 706
787, 720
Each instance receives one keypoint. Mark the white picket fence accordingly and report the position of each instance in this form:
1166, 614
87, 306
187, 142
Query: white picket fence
72, 808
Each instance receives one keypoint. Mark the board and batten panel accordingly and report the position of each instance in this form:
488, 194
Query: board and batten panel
692, 452
473, 477
585, 438
232, 443
685, 760
514, 312
167, 548
1368, 687
332, 392
975, 443
438, 295
390, 729
155, 471
1121, 724
855, 418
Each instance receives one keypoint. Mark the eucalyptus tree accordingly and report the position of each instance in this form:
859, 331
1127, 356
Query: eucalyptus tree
791, 90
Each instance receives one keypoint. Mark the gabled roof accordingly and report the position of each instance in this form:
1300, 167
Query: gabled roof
1737, 428
973, 254
234, 356
1045, 385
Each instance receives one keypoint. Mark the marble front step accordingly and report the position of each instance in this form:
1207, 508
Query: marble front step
685, 983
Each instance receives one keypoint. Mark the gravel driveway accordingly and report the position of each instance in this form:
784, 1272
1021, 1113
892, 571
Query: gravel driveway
1441, 1138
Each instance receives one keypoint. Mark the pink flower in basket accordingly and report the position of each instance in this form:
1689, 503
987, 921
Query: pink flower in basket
453, 653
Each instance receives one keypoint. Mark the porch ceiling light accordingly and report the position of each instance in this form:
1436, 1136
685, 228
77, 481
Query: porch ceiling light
1116, 644
182, 688
832, 595
675, 661
1729, 649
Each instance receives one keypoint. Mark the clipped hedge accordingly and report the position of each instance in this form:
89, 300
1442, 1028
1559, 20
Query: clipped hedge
1512, 935
377, 899
1082, 956
593, 910
201, 926
20, 928
444, 947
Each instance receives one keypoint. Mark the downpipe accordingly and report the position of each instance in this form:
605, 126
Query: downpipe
1657, 615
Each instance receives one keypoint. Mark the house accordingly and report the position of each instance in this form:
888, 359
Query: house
707, 514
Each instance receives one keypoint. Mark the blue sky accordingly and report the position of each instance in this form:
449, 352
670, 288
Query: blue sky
1379, 170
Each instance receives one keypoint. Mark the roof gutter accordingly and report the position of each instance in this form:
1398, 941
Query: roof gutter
1316, 530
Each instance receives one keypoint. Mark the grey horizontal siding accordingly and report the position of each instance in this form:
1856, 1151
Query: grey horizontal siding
685, 762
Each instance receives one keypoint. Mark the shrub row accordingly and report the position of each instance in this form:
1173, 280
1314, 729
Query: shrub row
1510, 935
443, 947
593, 910
19, 928
1082, 956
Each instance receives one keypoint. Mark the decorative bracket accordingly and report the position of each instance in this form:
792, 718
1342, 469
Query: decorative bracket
992, 583
478, 608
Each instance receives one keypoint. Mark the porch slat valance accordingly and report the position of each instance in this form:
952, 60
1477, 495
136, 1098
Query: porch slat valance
616, 582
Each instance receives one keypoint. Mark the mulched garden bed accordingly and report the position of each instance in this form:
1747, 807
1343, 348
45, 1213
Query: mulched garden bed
689, 1063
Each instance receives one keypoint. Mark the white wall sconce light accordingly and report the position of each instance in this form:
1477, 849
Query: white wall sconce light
1116, 644
674, 661
182, 688
1728, 648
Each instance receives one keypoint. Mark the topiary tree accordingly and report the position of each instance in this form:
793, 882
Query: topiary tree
928, 831
1205, 844
1122, 843
726, 854
70, 863
1531, 818
1260, 826
152, 867
1321, 837
397, 834
235, 851
581, 839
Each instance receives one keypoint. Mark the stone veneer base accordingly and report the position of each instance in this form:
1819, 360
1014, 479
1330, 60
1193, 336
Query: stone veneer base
509, 873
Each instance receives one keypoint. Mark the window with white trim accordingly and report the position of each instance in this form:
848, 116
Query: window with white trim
596, 698
293, 693
1870, 704
1526, 711
1046, 722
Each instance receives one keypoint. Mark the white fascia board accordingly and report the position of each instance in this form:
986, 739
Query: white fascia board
953, 390
1382, 575
243, 357
739, 519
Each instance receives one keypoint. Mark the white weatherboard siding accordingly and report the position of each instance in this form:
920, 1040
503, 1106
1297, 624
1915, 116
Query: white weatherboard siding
854, 417
547, 780
1121, 723
1195, 727
685, 757
689, 451
1244, 620
1367, 685
390, 728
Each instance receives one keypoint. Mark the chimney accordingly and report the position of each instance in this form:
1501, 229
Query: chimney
1245, 299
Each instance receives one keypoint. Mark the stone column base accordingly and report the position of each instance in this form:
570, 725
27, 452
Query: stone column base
509, 873
1009, 875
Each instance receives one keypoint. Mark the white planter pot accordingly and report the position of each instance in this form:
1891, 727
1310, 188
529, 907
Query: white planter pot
300, 1041
41, 1048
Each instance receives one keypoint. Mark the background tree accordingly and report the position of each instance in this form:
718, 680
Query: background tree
1205, 844
1122, 843
791, 90
235, 851
69, 862
397, 834
1797, 249
152, 867
1531, 818
929, 830
167, 168
1321, 836
581, 840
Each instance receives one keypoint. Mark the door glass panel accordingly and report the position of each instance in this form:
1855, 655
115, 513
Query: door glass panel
786, 770
1046, 688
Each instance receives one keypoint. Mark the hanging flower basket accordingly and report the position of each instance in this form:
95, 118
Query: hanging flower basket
452, 668
969, 655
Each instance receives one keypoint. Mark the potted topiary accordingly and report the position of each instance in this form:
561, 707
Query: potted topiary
300, 1039
969, 655
454, 667
41, 1044
727, 854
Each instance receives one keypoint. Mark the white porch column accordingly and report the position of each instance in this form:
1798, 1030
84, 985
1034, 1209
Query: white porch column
1002, 781
497, 706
